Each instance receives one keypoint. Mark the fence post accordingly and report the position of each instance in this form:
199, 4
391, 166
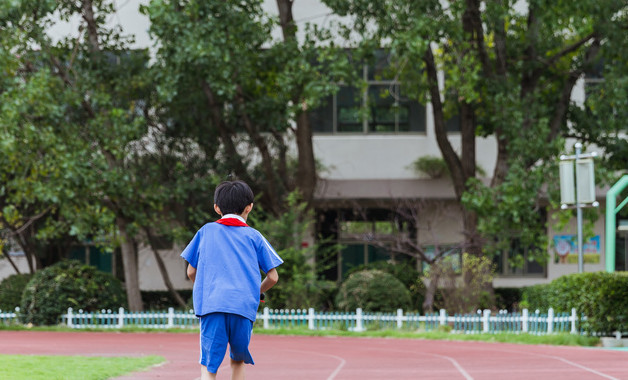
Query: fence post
311, 315
170, 317
524, 320
485, 320
120, 317
443, 317
573, 320
550, 320
399, 318
70, 317
266, 317
359, 326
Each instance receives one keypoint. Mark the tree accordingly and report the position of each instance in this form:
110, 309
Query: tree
218, 59
509, 71
86, 114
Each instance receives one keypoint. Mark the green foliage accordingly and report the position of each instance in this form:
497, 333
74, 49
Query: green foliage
404, 272
600, 296
508, 72
372, 290
66, 284
467, 288
435, 167
298, 286
11, 289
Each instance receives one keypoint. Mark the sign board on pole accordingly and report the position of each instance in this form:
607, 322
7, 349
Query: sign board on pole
586, 180
567, 191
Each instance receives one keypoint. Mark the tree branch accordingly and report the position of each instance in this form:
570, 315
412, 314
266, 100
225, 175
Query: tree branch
569, 49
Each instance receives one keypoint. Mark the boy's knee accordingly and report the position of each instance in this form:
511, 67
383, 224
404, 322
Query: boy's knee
236, 363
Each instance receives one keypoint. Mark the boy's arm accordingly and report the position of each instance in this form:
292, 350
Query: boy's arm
271, 279
191, 272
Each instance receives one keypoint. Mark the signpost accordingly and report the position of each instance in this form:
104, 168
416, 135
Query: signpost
578, 191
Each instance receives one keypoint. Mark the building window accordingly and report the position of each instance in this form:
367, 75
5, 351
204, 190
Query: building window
352, 238
379, 107
515, 262
452, 252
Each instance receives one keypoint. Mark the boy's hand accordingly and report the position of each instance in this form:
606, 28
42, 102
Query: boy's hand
262, 297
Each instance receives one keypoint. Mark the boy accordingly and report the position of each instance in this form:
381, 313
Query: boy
224, 260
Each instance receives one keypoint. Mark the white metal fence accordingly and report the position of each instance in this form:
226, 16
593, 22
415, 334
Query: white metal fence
481, 322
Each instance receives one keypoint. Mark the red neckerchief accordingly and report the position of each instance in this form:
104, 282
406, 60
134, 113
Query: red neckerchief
232, 222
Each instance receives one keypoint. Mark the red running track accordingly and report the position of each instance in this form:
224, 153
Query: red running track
327, 358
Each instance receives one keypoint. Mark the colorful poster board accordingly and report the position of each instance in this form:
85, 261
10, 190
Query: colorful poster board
566, 249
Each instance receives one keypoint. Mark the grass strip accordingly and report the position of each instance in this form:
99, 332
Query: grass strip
36, 367
558, 339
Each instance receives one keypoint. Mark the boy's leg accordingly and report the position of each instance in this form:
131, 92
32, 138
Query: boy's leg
206, 375
237, 369
213, 342
239, 331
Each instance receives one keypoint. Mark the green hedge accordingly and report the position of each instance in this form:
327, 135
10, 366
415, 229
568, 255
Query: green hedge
11, 289
405, 272
372, 290
66, 284
601, 296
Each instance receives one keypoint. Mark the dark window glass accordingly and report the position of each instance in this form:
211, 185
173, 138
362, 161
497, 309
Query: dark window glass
453, 123
322, 117
534, 267
348, 110
377, 254
382, 109
416, 117
352, 256
378, 67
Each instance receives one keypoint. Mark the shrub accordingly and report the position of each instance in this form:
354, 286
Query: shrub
11, 289
600, 296
66, 284
464, 289
507, 298
372, 290
404, 272
435, 167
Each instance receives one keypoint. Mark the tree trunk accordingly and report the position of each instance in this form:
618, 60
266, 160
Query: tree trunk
472, 241
164, 272
10, 260
129, 262
306, 171
428, 302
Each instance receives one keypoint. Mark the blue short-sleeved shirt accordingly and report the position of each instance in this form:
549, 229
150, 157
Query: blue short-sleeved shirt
228, 260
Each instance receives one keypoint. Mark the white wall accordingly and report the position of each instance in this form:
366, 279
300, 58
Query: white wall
6, 269
150, 277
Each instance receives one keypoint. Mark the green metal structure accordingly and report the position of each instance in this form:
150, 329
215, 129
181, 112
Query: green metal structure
611, 215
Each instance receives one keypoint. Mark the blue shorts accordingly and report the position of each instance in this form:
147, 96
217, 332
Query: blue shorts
218, 329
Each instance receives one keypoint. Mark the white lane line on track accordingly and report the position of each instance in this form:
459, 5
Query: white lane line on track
453, 361
457, 365
583, 367
557, 358
336, 371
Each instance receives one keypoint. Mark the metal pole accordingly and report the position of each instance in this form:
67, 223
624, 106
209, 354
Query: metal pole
578, 147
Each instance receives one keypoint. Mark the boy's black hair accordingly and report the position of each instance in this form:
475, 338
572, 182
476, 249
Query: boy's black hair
233, 196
